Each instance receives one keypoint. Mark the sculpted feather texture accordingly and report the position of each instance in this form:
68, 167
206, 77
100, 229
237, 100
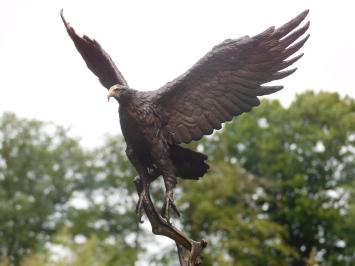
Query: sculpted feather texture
224, 83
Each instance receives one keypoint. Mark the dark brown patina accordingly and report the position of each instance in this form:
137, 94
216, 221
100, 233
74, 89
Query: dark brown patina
226, 82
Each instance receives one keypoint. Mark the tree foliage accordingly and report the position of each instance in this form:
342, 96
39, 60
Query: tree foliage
281, 191
304, 156
110, 193
226, 209
47, 182
39, 164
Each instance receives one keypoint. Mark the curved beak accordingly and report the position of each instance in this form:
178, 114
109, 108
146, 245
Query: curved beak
111, 92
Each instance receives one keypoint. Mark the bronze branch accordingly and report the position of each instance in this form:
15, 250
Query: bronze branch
162, 227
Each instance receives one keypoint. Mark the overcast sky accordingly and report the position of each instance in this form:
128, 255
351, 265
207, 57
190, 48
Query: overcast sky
43, 76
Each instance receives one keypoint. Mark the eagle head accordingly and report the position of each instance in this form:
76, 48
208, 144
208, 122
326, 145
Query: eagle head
115, 91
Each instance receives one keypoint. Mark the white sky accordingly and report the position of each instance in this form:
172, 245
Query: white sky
44, 77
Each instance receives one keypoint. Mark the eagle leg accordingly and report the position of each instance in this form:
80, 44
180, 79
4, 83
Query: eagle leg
142, 196
146, 177
169, 199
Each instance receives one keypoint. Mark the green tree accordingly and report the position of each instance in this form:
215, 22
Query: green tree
92, 252
110, 215
44, 173
280, 191
305, 156
226, 208
39, 164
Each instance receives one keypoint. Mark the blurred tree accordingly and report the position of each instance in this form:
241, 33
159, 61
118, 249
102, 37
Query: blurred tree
110, 213
225, 208
39, 164
305, 155
92, 252
280, 191
347, 228
48, 181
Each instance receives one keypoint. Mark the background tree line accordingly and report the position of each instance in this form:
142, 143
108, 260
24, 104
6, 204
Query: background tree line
280, 191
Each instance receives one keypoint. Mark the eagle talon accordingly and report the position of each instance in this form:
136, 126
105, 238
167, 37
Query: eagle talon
169, 204
139, 207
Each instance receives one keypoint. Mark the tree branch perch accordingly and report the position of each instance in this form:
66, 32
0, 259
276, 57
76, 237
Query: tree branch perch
161, 227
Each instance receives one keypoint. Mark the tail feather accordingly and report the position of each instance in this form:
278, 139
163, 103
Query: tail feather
188, 164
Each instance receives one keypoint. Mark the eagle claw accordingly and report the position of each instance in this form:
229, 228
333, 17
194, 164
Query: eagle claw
139, 207
169, 203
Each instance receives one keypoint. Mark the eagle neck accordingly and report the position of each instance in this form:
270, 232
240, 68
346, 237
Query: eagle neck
126, 96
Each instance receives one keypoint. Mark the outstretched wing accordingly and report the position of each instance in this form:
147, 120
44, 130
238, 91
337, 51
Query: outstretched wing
97, 60
227, 81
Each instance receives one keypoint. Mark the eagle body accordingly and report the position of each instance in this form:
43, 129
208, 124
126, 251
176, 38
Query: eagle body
136, 116
149, 144
225, 83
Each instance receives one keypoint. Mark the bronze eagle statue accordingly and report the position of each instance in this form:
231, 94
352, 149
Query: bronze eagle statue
226, 82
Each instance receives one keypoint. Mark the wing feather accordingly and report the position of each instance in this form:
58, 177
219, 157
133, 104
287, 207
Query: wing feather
287, 63
228, 80
96, 59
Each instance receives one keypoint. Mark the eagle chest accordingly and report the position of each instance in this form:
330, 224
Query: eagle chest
138, 123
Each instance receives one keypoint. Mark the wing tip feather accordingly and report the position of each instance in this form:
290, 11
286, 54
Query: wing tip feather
294, 59
305, 13
66, 24
283, 74
301, 16
266, 90
291, 25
